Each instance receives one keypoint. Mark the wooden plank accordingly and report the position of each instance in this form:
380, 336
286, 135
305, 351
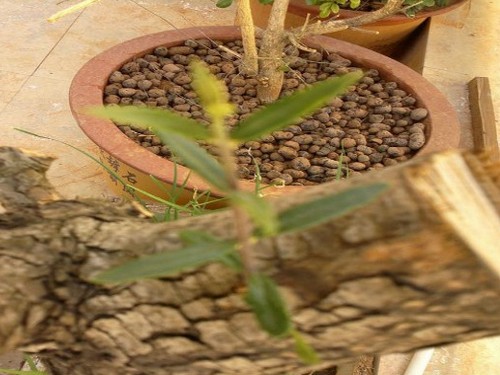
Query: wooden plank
483, 117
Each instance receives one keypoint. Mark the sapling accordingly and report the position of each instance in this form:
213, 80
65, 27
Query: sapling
254, 217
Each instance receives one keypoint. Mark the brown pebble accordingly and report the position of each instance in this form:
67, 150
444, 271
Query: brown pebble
180, 50
348, 142
417, 141
112, 89
357, 166
116, 77
140, 95
363, 158
388, 162
130, 67
125, 93
418, 114
273, 174
282, 135
276, 157
300, 163
287, 152
112, 99
156, 93
397, 151
315, 170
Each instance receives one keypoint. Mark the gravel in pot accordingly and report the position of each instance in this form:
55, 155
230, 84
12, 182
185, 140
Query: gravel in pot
375, 125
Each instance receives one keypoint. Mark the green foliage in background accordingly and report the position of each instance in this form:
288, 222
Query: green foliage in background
411, 7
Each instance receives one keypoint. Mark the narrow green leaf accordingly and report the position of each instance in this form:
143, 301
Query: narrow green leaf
259, 210
167, 263
223, 3
154, 119
212, 92
21, 372
90, 156
269, 307
321, 210
193, 237
283, 112
74, 8
196, 158
233, 261
31, 363
306, 352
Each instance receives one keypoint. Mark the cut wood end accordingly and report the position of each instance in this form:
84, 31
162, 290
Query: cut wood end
466, 198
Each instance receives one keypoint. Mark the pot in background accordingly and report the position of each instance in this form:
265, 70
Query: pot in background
386, 36
134, 164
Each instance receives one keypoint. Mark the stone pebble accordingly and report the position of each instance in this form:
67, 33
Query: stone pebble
375, 125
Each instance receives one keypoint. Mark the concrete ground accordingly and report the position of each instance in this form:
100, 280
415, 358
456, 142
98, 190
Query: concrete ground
38, 61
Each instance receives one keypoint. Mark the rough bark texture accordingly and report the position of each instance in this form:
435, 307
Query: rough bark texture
249, 65
271, 73
393, 276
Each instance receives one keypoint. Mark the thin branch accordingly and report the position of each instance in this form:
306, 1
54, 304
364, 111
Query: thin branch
391, 7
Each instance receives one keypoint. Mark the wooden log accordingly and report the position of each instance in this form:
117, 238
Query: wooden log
484, 129
404, 272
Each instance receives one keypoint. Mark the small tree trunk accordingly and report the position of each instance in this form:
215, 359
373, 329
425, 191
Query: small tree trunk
244, 18
271, 54
271, 71
405, 272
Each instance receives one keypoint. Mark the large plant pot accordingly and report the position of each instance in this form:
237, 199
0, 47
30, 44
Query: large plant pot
135, 164
385, 36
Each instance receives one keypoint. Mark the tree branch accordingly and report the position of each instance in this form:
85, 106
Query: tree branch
396, 275
318, 28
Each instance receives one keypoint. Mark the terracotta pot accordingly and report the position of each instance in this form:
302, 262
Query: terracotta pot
135, 164
385, 36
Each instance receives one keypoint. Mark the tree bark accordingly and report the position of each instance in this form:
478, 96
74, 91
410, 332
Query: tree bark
394, 276
249, 65
271, 73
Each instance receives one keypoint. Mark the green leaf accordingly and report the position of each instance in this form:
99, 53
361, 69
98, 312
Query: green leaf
223, 3
335, 8
313, 213
154, 119
212, 92
305, 351
282, 113
31, 363
355, 4
266, 2
233, 261
265, 300
325, 9
196, 158
168, 263
259, 210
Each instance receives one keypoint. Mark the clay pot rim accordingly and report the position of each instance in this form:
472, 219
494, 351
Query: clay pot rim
299, 8
87, 90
